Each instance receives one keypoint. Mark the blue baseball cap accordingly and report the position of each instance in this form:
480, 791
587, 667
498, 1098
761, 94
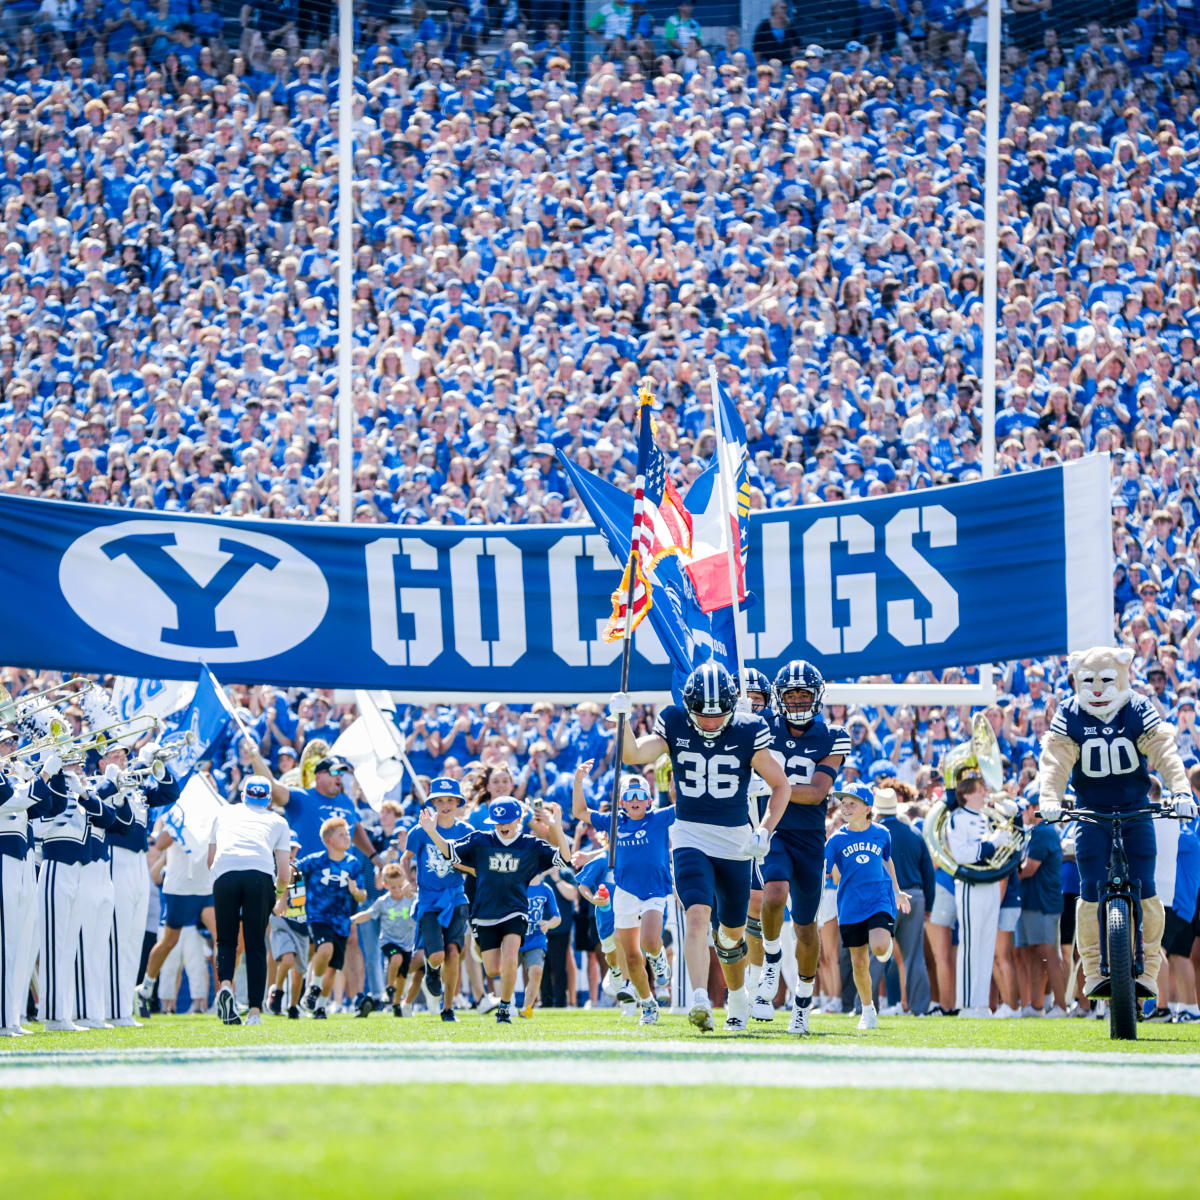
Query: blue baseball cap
443, 785
878, 770
856, 791
256, 791
505, 812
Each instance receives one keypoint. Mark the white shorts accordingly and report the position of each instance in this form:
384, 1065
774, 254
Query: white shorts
629, 909
827, 909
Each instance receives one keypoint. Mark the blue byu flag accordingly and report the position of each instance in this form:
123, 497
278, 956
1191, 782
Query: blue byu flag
205, 721
689, 635
976, 572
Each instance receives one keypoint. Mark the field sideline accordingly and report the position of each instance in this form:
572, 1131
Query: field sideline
585, 1104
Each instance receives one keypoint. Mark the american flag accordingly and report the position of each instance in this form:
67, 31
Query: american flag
661, 526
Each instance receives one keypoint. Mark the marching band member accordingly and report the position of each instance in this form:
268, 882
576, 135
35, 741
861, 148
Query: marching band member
95, 899
129, 873
23, 797
971, 840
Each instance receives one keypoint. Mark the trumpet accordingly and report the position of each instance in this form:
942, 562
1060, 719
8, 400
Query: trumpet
979, 756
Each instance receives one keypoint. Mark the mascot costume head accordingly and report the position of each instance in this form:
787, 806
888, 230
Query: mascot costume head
1101, 677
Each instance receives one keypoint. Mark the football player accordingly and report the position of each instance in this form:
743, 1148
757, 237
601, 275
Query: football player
714, 754
812, 754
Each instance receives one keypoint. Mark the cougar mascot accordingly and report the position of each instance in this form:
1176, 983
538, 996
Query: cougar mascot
1106, 740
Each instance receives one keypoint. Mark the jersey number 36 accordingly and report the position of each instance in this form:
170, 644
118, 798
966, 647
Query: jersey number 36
700, 775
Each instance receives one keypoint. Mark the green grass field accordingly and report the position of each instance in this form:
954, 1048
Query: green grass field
1082, 1035
334, 1131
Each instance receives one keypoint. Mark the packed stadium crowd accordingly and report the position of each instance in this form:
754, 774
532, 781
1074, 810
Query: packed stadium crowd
530, 244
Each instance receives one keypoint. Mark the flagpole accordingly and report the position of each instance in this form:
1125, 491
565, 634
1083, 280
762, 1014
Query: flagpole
646, 397
728, 506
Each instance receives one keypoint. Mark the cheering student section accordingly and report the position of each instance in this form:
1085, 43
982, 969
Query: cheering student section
452, 894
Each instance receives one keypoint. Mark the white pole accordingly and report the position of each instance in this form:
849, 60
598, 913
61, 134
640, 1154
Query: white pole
728, 507
991, 236
345, 251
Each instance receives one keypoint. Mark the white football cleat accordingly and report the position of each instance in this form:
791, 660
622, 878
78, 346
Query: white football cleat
869, 1018
799, 1021
762, 1010
768, 985
610, 984
649, 1015
1006, 1012
737, 1011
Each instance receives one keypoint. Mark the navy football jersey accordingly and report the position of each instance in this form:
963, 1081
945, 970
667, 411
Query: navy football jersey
800, 750
712, 777
502, 873
1111, 772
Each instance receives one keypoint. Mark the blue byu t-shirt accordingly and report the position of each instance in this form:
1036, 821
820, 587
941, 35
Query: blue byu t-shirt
643, 851
864, 887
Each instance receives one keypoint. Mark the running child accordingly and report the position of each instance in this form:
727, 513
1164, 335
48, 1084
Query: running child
642, 883
334, 884
441, 911
596, 885
397, 928
859, 857
543, 916
504, 861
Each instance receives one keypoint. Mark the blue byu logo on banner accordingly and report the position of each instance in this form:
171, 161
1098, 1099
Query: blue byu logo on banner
192, 591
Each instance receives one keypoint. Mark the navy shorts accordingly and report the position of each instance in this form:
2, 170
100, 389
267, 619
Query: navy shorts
858, 933
433, 937
182, 912
319, 933
797, 858
390, 950
490, 937
720, 883
1092, 844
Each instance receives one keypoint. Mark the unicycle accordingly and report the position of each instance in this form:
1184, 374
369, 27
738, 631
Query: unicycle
1122, 952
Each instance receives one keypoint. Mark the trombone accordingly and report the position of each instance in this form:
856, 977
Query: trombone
57, 738
12, 708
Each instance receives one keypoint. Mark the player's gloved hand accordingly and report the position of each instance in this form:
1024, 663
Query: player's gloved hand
620, 705
758, 843
1050, 808
51, 765
1184, 805
1005, 807
112, 773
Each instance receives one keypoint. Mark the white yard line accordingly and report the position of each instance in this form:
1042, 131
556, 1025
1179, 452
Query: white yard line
598, 1063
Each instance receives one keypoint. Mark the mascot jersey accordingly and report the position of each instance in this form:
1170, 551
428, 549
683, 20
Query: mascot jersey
1111, 773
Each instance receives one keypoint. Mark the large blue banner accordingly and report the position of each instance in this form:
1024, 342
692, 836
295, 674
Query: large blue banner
973, 573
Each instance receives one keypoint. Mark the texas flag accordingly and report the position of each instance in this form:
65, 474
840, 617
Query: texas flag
714, 528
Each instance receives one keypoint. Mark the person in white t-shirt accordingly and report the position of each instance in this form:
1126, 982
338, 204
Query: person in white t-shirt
249, 857
186, 894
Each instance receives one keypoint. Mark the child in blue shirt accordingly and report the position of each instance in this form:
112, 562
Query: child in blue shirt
333, 885
543, 916
642, 882
596, 885
859, 857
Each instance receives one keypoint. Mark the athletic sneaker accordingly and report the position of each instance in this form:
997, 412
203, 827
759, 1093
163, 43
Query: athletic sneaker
701, 1014
764, 994
625, 993
1186, 1017
869, 1018
309, 1003
62, 1027
611, 983
116, 1023
1006, 1012
649, 1015
1055, 1013
275, 1003
448, 1016
366, 1006
503, 1016
1160, 1016
254, 1019
489, 1001
143, 1007
397, 1010
226, 1008
321, 1014
1030, 1011
1077, 1010
662, 978
799, 1021
406, 1009
293, 1012
527, 1012
737, 1009
433, 981
978, 1013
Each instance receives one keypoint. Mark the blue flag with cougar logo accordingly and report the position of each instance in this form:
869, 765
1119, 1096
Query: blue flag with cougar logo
206, 719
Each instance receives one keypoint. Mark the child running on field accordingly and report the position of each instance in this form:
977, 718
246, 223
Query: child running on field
397, 928
859, 856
